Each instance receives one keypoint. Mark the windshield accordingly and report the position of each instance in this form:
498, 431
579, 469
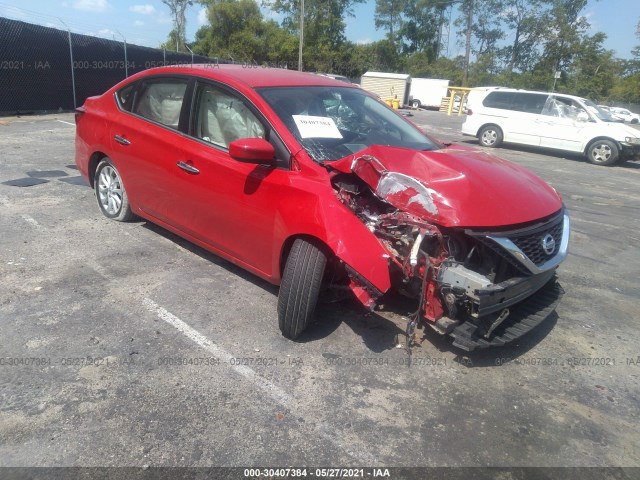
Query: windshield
333, 122
601, 113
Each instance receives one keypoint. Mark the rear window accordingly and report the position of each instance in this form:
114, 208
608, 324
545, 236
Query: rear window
124, 97
516, 101
161, 101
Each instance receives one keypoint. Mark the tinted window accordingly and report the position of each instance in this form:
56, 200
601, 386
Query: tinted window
529, 102
161, 101
516, 101
222, 117
499, 100
124, 96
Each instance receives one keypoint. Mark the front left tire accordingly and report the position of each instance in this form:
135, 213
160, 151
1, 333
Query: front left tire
110, 193
300, 287
603, 152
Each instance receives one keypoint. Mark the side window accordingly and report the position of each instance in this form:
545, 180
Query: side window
529, 102
124, 96
161, 101
499, 100
222, 118
563, 108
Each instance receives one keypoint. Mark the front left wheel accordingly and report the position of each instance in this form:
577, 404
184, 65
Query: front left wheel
110, 192
603, 152
300, 287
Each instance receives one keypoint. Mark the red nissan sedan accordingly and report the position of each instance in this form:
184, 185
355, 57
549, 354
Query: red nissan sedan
311, 184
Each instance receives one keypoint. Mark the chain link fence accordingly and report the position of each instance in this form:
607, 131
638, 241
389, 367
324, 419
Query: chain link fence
43, 69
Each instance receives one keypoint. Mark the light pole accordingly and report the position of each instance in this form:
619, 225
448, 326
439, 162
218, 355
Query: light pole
73, 75
190, 51
126, 67
301, 35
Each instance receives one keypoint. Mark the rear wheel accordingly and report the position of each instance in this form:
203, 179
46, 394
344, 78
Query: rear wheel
301, 282
110, 192
490, 136
603, 152
415, 103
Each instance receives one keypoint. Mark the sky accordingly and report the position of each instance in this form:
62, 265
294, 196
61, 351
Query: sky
147, 22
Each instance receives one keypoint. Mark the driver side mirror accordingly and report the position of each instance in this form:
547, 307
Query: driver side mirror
252, 150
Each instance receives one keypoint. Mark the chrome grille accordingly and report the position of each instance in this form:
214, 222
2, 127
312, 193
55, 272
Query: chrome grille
531, 244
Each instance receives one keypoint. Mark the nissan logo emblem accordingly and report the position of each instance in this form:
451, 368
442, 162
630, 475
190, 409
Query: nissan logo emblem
548, 244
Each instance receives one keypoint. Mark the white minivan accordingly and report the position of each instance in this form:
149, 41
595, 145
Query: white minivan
549, 120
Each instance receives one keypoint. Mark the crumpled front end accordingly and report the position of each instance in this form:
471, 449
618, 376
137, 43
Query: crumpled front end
483, 286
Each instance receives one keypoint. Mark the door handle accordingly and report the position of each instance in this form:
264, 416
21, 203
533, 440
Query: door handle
188, 168
121, 140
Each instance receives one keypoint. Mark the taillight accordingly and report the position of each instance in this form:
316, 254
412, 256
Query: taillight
469, 111
79, 112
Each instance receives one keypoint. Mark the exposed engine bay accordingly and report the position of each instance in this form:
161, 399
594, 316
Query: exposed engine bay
465, 280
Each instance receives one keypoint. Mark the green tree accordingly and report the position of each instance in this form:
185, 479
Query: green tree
594, 69
237, 31
420, 31
324, 20
565, 29
388, 17
627, 87
178, 9
527, 20
479, 24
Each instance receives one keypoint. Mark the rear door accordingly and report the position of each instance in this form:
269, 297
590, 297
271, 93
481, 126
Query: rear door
146, 143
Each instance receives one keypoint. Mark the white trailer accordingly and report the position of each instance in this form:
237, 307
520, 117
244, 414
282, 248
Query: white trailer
388, 85
427, 92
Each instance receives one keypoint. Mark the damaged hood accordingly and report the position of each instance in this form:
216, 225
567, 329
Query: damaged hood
454, 187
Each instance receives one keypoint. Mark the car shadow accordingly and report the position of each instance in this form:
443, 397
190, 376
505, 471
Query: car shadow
211, 257
631, 164
379, 334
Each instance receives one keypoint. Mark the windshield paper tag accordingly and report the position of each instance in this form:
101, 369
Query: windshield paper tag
316, 127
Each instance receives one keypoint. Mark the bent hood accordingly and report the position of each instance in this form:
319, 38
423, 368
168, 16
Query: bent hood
454, 187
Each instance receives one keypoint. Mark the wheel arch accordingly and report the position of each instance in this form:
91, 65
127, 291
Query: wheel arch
585, 151
92, 166
317, 242
488, 124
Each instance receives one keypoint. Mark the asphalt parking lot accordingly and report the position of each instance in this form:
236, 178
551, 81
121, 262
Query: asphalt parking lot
123, 345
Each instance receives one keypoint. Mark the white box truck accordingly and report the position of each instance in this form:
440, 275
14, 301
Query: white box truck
427, 92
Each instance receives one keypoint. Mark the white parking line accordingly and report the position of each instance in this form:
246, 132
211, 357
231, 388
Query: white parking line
275, 392
68, 123
269, 388
323, 429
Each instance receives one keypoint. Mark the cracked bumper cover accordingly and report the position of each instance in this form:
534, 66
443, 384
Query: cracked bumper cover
524, 317
508, 293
